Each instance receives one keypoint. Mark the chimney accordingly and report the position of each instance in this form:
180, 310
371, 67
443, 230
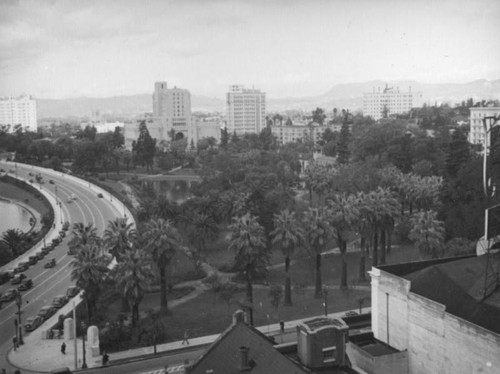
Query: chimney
244, 358
239, 317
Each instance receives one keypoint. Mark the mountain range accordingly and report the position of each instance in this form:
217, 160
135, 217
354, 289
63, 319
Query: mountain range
348, 96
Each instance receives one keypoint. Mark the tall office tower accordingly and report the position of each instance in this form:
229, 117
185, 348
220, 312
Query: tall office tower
18, 111
382, 104
246, 110
477, 131
171, 111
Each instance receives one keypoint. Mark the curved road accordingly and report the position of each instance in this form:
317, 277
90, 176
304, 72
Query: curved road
48, 283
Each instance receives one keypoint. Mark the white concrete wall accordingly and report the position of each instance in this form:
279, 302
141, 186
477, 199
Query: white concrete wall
437, 342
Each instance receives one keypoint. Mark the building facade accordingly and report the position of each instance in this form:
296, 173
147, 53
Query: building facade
171, 112
19, 111
245, 110
477, 131
446, 329
384, 103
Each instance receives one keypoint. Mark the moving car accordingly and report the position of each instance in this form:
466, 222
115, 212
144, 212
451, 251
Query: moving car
46, 312
25, 285
50, 264
17, 279
72, 291
59, 301
100, 195
32, 323
9, 295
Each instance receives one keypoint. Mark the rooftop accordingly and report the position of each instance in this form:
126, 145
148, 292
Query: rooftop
461, 283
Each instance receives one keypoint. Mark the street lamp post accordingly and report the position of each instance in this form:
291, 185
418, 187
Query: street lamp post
19, 301
58, 202
84, 364
325, 302
16, 339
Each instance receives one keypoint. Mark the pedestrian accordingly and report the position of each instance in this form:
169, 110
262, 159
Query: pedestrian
186, 337
105, 359
63, 348
282, 327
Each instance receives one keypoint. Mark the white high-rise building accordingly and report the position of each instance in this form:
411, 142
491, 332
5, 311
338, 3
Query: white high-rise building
382, 104
246, 110
476, 133
18, 111
171, 111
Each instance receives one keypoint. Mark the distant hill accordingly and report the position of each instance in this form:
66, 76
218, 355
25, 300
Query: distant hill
349, 96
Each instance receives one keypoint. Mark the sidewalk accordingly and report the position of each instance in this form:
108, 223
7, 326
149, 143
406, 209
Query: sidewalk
44, 355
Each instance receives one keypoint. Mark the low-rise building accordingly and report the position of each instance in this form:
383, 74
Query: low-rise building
438, 313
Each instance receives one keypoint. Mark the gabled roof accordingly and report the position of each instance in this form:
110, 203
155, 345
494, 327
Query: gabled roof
224, 356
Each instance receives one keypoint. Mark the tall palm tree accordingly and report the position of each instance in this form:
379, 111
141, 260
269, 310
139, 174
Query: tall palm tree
342, 214
88, 271
132, 275
288, 235
83, 235
118, 237
428, 233
317, 231
162, 241
247, 240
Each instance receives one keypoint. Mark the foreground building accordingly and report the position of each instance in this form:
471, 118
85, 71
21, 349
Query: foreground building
434, 315
245, 110
18, 111
384, 103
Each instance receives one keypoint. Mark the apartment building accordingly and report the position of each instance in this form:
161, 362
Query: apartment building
389, 101
477, 130
246, 110
290, 134
18, 111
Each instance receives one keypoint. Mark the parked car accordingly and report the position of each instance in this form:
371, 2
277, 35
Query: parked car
40, 255
45, 250
32, 260
350, 313
51, 181
56, 241
72, 291
11, 272
50, 264
62, 234
25, 285
22, 266
18, 278
32, 323
46, 312
59, 301
4, 278
9, 295
65, 226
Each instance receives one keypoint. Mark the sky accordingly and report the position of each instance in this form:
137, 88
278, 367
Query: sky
287, 48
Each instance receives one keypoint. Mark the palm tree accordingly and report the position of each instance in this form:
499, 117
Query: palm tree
14, 240
132, 275
342, 214
427, 232
288, 235
317, 231
88, 271
365, 229
247, 240
118, 237
83, 235
162, 241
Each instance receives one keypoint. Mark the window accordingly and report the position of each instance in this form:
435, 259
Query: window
329, 354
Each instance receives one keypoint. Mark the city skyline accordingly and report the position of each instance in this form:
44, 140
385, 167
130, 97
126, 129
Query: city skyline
55, 49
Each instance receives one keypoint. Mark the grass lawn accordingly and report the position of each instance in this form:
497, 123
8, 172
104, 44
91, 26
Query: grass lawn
208, 314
